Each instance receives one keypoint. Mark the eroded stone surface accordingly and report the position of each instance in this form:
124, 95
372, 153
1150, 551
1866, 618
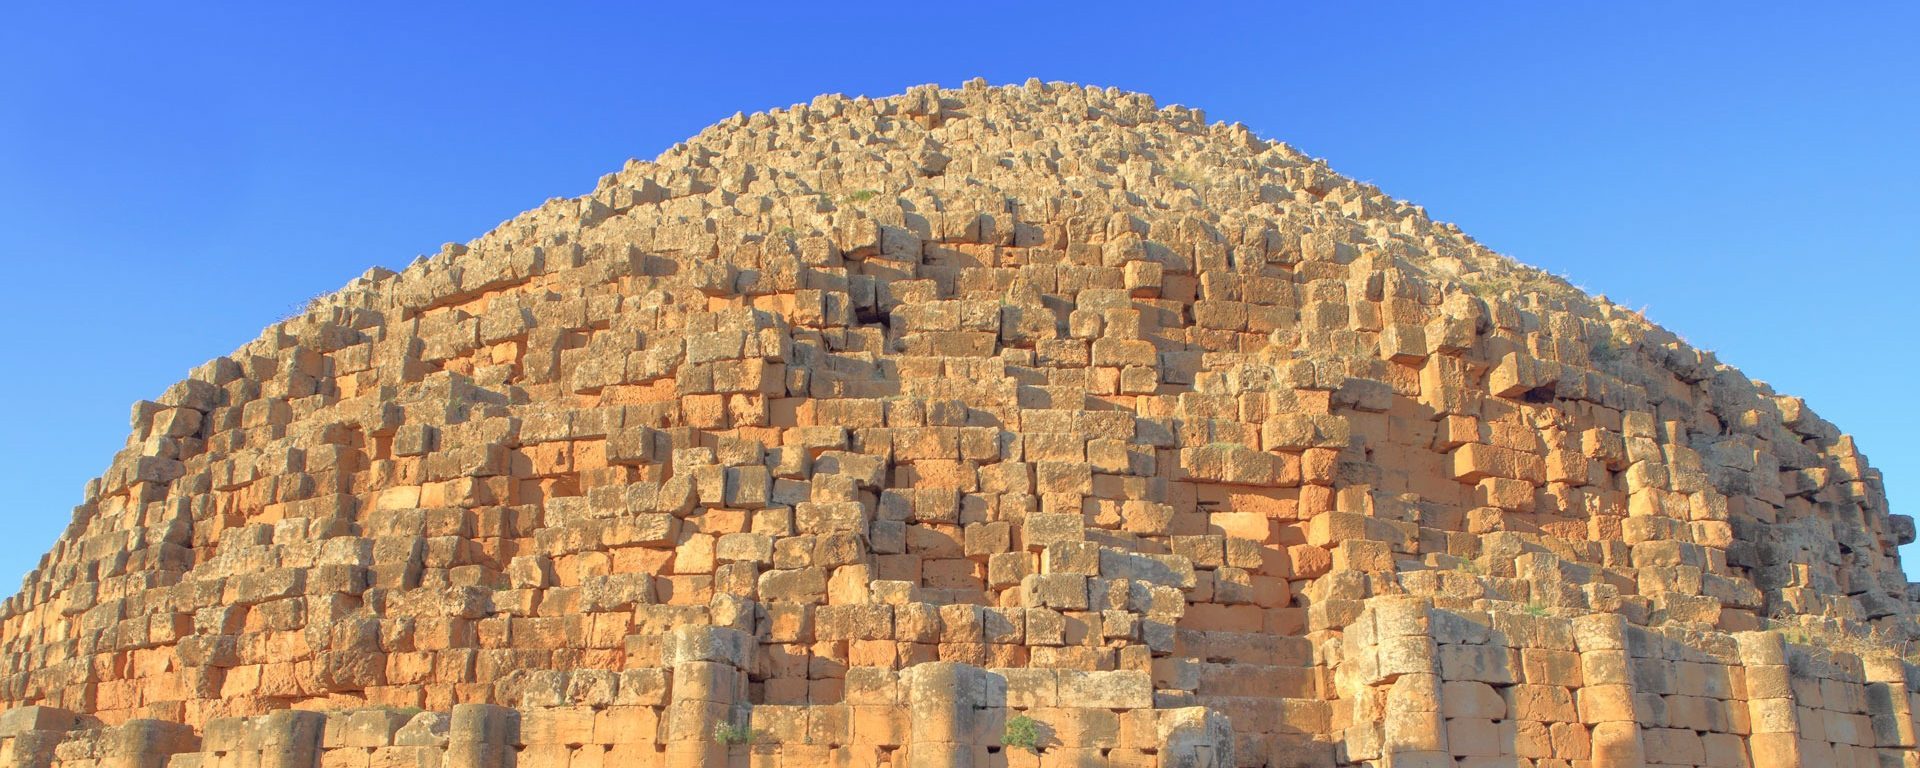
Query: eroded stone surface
877, 423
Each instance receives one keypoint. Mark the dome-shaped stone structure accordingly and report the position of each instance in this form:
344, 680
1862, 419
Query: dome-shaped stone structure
862, 429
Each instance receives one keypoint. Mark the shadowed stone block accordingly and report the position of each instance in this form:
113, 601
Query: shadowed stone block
22, 720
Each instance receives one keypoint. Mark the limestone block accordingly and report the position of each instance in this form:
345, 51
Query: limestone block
1078, 732
1461, 628
1605, 668
1071, 557
1473, 737
1605, 704
988, 539
1549, 703
880, 725
1505, 493
1518, 375
803, 585
747, 487
917, 622
696, 643
1143, 278
1414, 719
482, 725
1761, 648
707, 681
1002, 625
744, 547
1486, 663
1300, 431
1161, 570
1545, 666
922, 754
365, 728
1467, 699
1195, 737
288, 738
616, 592
953, 703
1111, 352
1060, 591
147, 743
1600, 632
692, 721
1400, 617
1677, 745
962, 623
426, 729
1473, 462
1618, 744
1120, 689
1423, 759
1406, 655
1775, 750
1891, 713
23, 720
854, 622
1238, 464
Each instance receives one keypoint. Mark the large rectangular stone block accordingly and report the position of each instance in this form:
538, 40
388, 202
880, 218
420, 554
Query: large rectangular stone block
952, 703
21, 720
1119, 689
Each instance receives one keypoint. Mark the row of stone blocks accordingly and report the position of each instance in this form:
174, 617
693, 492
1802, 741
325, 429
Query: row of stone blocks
947, 728
472, 736
942, 715
1442, 688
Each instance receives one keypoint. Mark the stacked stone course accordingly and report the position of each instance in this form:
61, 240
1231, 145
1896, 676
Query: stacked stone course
856, 429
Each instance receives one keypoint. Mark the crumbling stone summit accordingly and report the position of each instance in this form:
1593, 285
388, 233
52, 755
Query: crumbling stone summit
1015, 426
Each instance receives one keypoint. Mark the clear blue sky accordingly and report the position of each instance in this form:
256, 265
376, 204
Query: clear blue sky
174, 177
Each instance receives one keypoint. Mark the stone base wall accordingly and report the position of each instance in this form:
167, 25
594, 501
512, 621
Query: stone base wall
1412, 684
33, 737
934, 715
1435, 687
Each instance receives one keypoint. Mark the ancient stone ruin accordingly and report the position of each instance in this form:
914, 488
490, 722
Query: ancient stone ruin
1023, 426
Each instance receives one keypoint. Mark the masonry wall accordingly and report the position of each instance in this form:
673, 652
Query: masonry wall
935, 715
1431, 686
1140, 412
1419, 686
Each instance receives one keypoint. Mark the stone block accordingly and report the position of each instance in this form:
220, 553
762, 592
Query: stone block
1195, 737
1599, 704
20, 721
1468, 699
1041, 530
1060, 591
951, 703
854, 622
1482, 663
698, 643
365, 728
1120, 689
147, 743
425, 729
